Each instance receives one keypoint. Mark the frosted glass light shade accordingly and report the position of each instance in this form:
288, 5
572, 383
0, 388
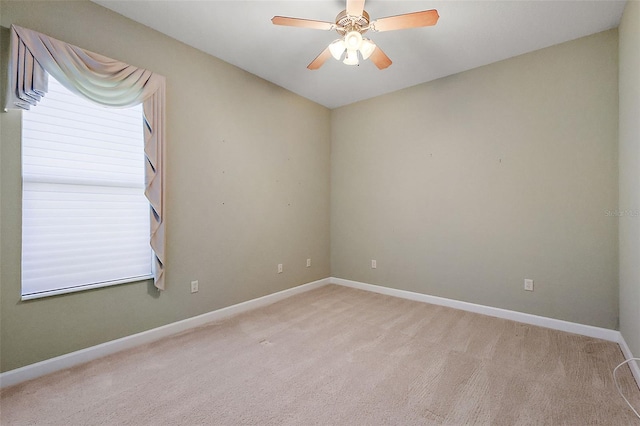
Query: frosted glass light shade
353, 40
367, 48
337, 48
351, 58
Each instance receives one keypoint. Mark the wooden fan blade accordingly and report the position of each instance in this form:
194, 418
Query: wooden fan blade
320, 59
355, 7
425, 18
379, 58
303, 23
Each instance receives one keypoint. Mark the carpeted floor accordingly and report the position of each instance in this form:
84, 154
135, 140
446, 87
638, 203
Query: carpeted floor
341, 356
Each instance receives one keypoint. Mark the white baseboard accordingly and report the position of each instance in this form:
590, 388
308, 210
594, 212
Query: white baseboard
42, 368
555, 324
38, 369
634, 366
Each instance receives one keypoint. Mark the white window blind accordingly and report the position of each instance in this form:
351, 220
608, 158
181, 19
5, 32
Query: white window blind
85, 219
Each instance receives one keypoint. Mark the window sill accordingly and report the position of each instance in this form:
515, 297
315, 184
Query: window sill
76, 289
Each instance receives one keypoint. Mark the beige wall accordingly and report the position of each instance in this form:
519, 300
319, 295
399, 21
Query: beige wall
630, 176
247, 188
465, 186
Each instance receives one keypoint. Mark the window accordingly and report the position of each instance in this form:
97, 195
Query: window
85, 218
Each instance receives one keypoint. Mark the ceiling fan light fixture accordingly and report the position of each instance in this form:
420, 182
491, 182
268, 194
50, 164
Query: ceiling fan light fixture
350, 24
351, 58
353, 40
337, 48
367, 48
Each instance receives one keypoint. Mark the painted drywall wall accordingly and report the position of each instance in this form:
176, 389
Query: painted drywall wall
629, 163
247, 189
465, 186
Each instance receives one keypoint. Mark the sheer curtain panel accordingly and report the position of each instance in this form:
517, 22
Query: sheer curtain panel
107, 82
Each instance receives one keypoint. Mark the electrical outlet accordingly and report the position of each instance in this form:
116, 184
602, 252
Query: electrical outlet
528, 285
279, 268
194, 286
374, 264
308, 263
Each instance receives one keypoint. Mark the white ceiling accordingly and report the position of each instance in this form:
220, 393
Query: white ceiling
469, 34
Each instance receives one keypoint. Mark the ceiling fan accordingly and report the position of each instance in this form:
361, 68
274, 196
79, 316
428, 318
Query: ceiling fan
351, 23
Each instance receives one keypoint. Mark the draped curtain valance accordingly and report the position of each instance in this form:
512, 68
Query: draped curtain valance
104, 81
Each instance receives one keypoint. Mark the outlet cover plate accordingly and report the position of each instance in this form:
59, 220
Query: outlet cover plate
528, 285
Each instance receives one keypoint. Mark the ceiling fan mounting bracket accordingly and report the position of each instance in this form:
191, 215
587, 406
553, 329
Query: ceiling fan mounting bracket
346, 23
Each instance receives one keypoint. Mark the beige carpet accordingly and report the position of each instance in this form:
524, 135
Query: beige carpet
345, 357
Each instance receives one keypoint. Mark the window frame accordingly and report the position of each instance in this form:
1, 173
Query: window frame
73, 288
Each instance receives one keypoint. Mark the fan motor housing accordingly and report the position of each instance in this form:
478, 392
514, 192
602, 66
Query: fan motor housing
346, 23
